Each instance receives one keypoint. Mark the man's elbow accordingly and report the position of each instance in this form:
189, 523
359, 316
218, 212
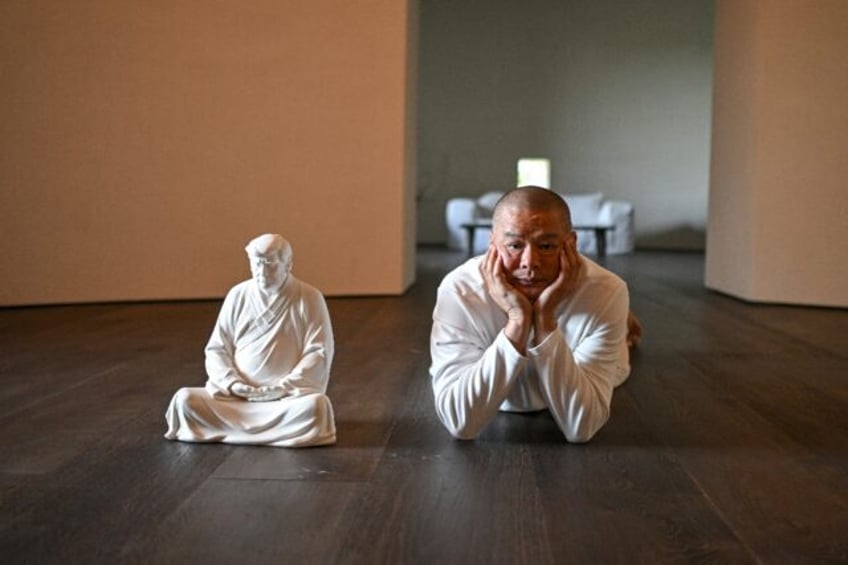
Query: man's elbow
459, 428
579, 436
463, 433
583, 429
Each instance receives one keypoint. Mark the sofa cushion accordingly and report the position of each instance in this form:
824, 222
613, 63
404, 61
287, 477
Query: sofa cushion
585, 208
486, 204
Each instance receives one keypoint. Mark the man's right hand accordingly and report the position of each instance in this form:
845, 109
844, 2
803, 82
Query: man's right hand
518, 309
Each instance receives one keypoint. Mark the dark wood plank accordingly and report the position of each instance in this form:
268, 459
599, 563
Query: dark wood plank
457, 506
104, 498
250, 521
628, 494
762, 480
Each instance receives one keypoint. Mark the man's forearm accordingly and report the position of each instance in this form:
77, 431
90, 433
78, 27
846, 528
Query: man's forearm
517, 329
578, 400
468, 397
543, 326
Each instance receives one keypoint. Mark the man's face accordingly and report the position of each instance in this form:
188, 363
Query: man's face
529, 243
268, 271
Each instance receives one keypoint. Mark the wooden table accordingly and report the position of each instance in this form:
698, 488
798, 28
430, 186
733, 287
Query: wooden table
600, 235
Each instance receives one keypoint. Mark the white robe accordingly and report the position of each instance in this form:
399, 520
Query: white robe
282, 340
476, 370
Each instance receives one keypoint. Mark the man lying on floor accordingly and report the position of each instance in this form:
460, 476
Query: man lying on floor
268, 362
531, 325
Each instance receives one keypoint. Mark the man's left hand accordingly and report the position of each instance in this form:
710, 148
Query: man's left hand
544, 309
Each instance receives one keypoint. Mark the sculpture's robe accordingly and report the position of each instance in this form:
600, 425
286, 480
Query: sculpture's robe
284, 340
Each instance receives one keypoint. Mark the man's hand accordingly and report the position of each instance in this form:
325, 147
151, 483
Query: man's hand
504, 294
545, 307
268, 393
634, 330
517, 307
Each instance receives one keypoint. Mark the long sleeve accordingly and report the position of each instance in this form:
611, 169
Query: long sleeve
220, 363
474, 366
476, 371
470, 382
312, 372
577, 385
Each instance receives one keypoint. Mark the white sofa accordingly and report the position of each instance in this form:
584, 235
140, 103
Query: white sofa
590, 209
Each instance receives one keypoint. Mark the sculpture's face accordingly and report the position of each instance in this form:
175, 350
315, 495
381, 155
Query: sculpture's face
529, 243
268, 271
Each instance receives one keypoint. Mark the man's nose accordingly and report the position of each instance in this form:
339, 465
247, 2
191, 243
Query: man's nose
529, 258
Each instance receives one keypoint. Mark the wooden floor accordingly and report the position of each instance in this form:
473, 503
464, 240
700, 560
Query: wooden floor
729, 444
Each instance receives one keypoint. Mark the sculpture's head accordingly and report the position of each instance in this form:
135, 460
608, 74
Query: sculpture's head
270, 257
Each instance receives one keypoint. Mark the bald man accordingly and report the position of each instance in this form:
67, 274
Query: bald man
529, 326
268, 362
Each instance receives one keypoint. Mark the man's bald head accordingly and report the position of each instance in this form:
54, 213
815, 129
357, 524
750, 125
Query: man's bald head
533, 198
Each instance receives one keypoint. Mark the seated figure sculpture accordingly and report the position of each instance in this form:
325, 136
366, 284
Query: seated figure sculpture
268, 362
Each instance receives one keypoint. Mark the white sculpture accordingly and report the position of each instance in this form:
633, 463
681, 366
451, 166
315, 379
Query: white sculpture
268, 362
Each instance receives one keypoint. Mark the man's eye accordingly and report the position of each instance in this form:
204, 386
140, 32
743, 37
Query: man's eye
513, 246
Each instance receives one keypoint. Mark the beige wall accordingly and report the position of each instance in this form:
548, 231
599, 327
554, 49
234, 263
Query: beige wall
615, 92
778, 208
143, 144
